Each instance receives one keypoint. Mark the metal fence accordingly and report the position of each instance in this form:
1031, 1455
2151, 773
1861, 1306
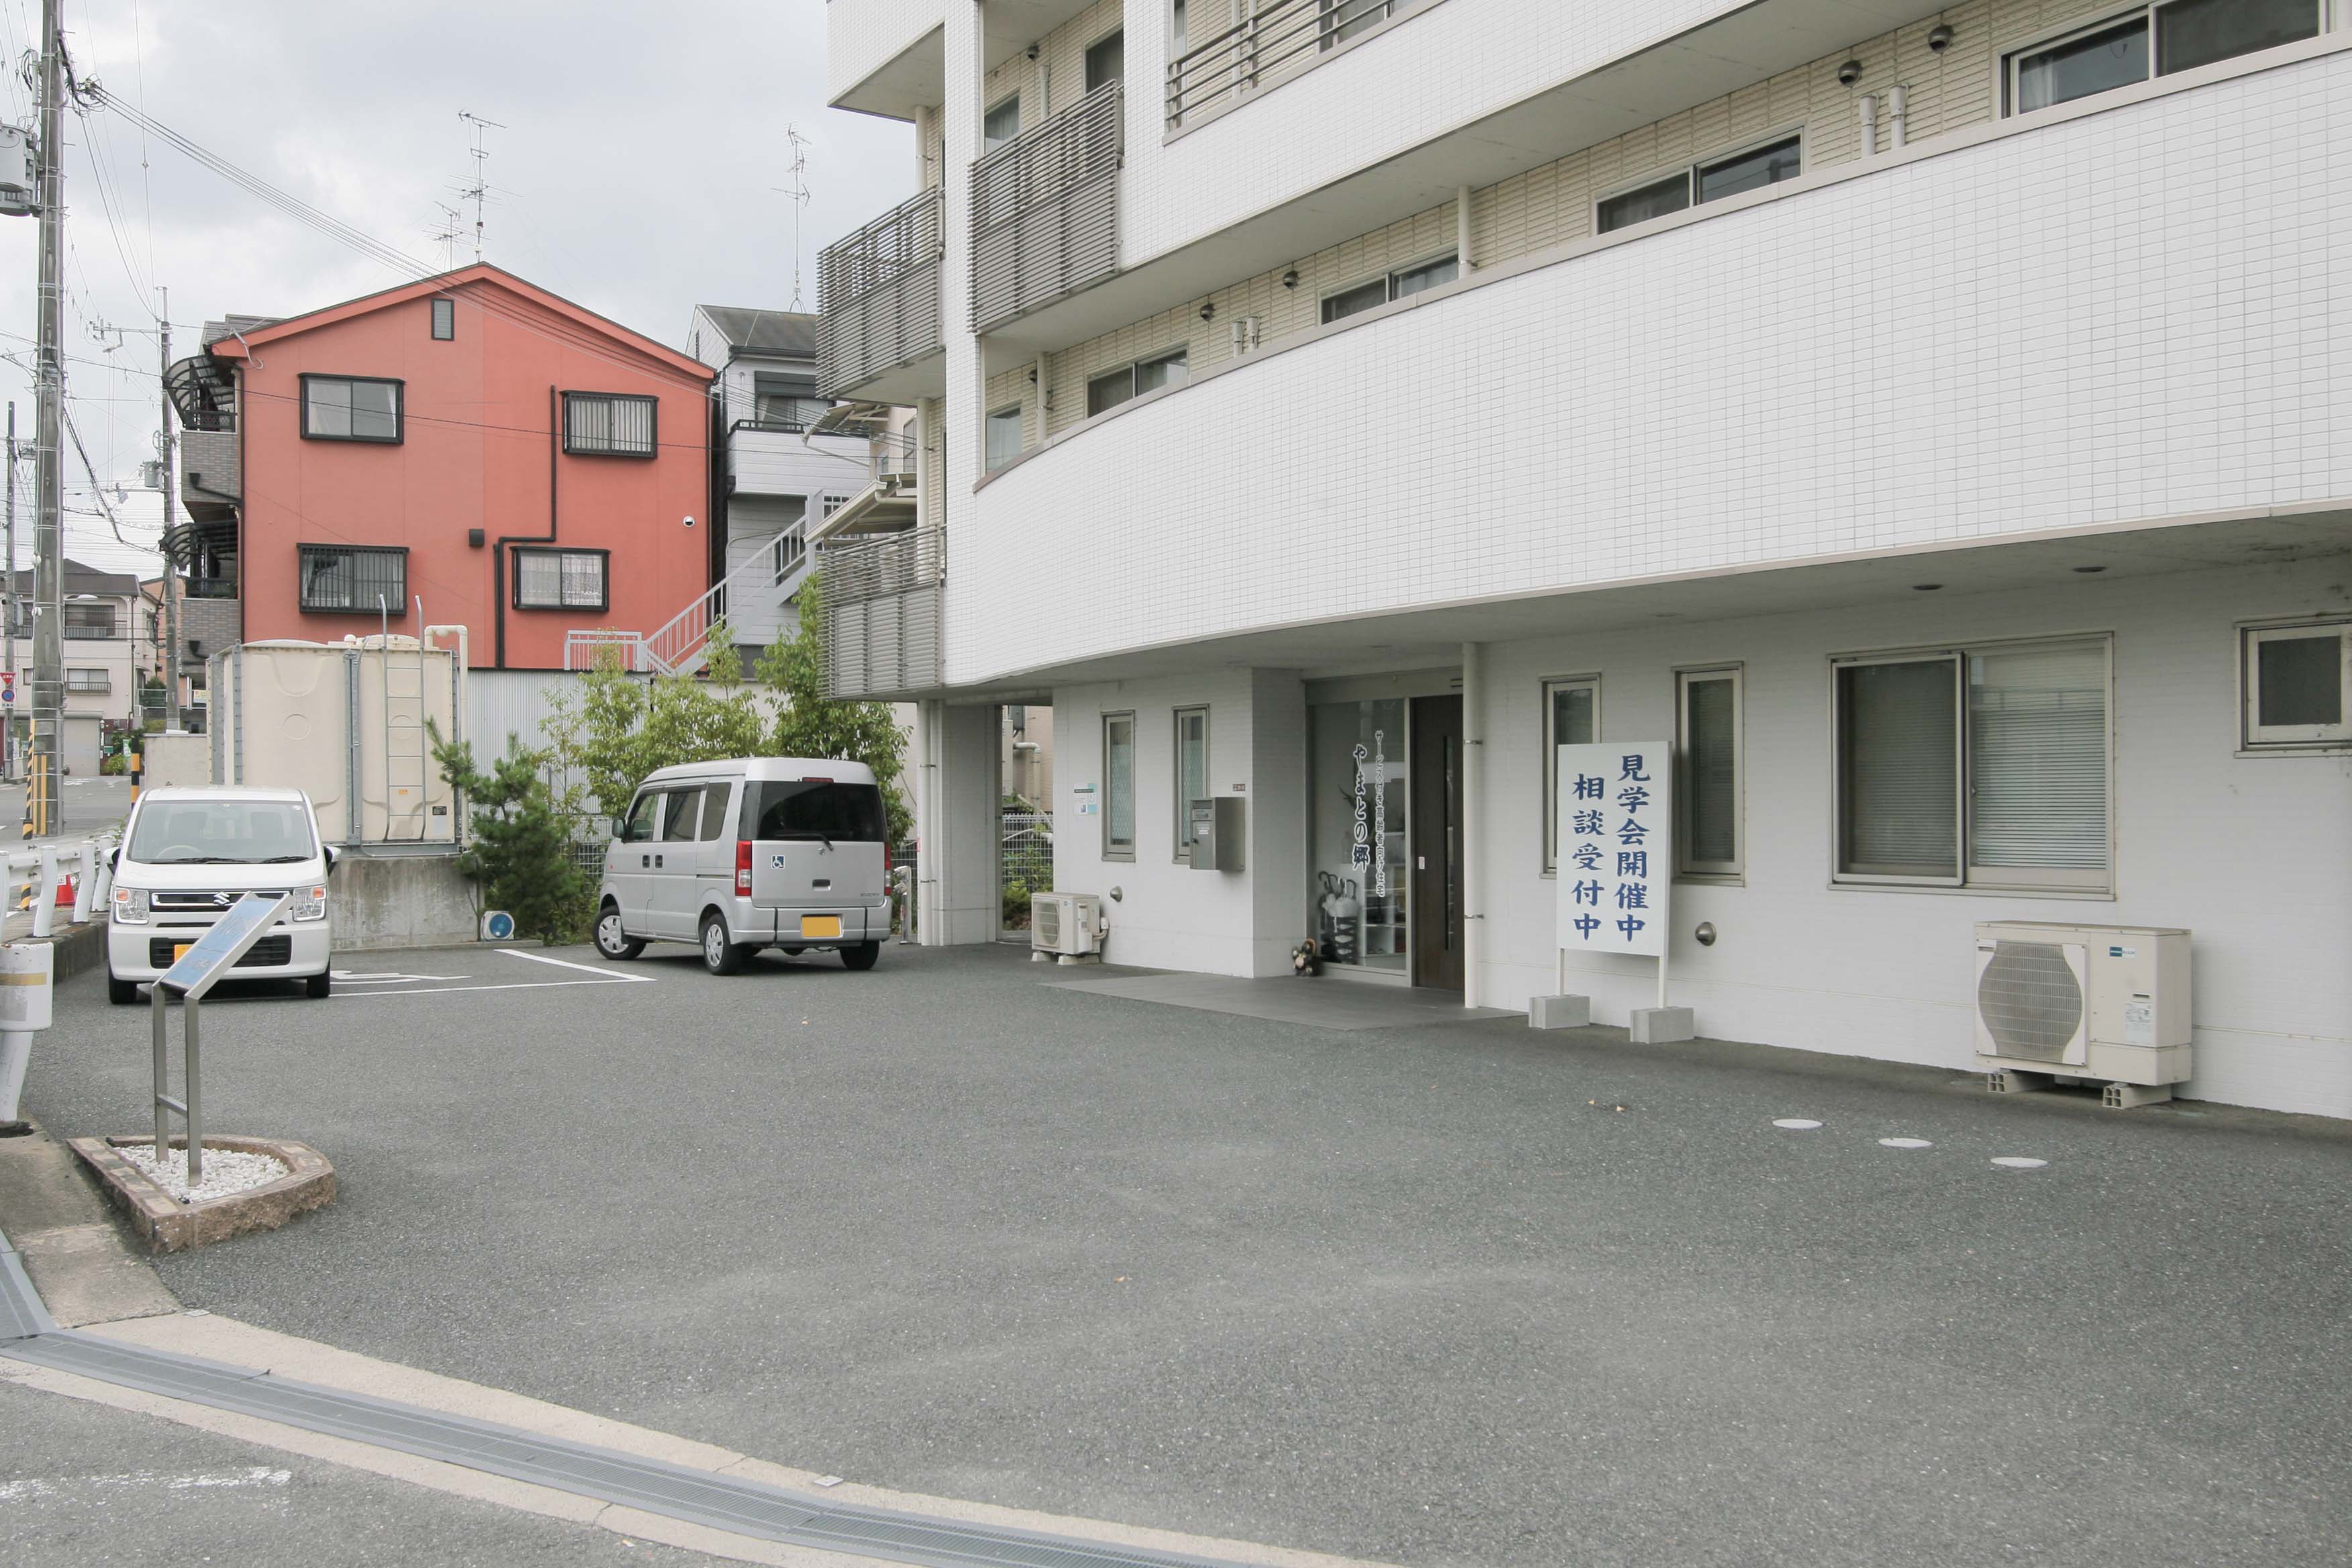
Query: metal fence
1276, 40
1025, 862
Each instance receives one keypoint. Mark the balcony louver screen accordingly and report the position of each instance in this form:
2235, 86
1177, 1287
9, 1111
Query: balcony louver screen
1899, 769
2038, 758
595, 423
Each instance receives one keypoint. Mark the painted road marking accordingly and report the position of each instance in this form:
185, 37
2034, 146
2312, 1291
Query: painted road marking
2018, 1162
1906, 1143
387, 986
567, 963
386, 977
1796, 1123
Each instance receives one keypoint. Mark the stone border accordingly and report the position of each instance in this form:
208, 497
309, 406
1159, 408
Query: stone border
167, 1224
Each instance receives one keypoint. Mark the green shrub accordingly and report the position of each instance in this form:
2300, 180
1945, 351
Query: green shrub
521, 851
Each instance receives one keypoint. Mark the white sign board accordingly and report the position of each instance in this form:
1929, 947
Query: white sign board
1615, 836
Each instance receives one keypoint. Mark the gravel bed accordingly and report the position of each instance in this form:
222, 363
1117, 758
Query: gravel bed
226, 1170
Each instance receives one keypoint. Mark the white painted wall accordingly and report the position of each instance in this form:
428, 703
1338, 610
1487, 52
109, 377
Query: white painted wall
1985, 340
2249, 853
783, 463
861, 36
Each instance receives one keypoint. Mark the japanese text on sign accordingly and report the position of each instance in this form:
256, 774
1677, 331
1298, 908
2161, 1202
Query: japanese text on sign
1616, 850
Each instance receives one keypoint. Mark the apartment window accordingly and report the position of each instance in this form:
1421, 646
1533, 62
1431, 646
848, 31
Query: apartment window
356, 579
1112, 388
1107, 60
351, 408
1750, 169
1118, 786
2150, 41
1572, 717
1003, 437
87, 680
444, 321
88, 622
1180, 38
1395, 286
1001, 124
1983, 767
1192, 773
1344, 19
608, 424
1709, 803
2298, 685
561, 580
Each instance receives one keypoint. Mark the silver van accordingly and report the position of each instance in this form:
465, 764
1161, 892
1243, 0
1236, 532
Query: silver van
738, 856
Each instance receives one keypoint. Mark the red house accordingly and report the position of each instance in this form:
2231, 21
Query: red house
519, 464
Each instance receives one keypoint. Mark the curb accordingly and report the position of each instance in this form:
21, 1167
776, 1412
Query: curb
167, 1224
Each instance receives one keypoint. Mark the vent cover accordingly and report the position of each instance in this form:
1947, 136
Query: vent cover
1045, 919
2029, 1000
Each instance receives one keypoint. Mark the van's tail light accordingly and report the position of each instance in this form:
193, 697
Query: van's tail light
743, 867
889, 864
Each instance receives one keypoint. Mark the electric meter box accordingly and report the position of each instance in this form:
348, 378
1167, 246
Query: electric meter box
1218, 827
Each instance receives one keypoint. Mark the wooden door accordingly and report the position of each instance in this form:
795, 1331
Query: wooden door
1436, 842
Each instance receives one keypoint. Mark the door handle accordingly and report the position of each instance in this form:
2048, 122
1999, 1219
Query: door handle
644, 861
658, 862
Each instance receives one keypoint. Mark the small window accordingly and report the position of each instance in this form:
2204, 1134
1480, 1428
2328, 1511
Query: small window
559, 580
1003, 437
1344, 19
1706, 757
608, 424
1572, 717
354, 579
1395, 286
89, 622
1001, 124
1118, 786
1114, 387
1752, 169
681, 815
1655, 200
1192, 773
444, 321
638, 825
2298, 685
1107, 60
1180, 38
716, 799
2153, 40
351, 408
87, 680
1986, 767
787, 402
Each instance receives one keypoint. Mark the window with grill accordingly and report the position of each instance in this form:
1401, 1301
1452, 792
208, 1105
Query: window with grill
1983, 767
786, 402
355, 579
1394, 286
608, 424
87, 680
1750, 169
1112, 388
1706, 760
2149, 41
2297, 691
559, 579
351, 408
89, 622
1572, 717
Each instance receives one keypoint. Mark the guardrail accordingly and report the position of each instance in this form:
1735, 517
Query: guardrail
36, 868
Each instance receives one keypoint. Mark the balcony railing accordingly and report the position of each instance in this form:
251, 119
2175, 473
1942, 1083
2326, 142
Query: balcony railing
878, 296
1278, 40
1044, 212
882, 612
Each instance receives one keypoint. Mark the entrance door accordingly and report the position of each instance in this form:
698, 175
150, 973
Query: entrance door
1437, 842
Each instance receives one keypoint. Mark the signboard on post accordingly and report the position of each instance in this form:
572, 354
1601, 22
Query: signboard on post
1616, 847
231, 937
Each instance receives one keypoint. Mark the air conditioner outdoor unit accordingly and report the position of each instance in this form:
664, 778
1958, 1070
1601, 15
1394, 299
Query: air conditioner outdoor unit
1064, 926
2109, 1003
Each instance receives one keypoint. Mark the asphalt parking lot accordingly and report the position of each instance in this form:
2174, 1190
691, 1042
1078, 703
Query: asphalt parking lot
1424, 1294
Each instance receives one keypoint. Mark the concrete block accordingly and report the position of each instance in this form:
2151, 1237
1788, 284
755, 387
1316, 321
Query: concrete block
1558, 1012
389, 901
1661, 1025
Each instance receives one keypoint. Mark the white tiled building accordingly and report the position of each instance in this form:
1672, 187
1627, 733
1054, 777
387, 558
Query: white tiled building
1943, 441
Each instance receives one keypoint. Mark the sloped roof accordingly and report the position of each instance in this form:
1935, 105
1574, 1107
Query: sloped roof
791, 334
230, 326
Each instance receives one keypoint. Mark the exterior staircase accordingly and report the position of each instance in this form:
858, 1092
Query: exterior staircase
770, 577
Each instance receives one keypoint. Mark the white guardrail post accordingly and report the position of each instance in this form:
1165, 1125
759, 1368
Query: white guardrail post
27, 971
45, 894
85, 881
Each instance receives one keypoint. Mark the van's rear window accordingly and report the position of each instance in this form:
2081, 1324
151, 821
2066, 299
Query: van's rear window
802, 809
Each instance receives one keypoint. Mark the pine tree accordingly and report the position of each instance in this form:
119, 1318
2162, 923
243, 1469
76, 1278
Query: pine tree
521, 851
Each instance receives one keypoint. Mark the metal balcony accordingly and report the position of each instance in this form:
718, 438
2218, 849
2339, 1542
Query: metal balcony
882, 612
1044, 210
879, 298
1279, 39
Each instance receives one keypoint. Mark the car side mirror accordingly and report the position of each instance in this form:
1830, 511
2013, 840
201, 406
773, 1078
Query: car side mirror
114, 859
331, 859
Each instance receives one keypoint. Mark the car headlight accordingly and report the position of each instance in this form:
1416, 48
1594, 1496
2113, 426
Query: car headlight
131, 906
308, 905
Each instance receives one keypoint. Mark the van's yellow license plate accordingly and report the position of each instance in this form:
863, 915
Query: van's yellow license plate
820, 925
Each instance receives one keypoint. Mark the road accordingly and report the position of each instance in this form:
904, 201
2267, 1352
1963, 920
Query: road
1426, 1295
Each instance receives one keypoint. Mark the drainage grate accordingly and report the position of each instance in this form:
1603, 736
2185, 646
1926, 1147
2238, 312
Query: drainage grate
675, 1492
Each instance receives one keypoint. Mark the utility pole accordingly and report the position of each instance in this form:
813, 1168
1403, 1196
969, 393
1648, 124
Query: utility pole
8, 610
46, 797
171, 572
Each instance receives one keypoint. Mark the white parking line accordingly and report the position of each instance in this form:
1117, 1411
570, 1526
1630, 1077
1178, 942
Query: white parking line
604, 977
567, 963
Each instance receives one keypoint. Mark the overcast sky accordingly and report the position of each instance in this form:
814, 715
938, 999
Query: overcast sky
636, 174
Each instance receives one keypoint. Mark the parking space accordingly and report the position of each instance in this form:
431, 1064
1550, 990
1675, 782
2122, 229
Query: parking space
1457, 1292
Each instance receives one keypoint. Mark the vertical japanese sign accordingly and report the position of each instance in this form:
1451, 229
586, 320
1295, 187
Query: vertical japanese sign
1616, 846
1370, 851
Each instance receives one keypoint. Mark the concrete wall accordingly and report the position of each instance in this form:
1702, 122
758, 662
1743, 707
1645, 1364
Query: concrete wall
177, 759
399, 900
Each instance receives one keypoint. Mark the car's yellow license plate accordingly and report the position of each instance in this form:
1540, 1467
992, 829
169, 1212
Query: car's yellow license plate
820, 925
180, 949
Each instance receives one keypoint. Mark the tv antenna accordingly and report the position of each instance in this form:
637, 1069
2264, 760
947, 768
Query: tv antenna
797, 193
453, 225
479, 189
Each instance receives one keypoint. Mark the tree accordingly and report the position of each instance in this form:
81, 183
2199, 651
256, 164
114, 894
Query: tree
521, 851
809, 724
604, 738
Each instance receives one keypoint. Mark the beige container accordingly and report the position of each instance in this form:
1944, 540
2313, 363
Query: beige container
344, 724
